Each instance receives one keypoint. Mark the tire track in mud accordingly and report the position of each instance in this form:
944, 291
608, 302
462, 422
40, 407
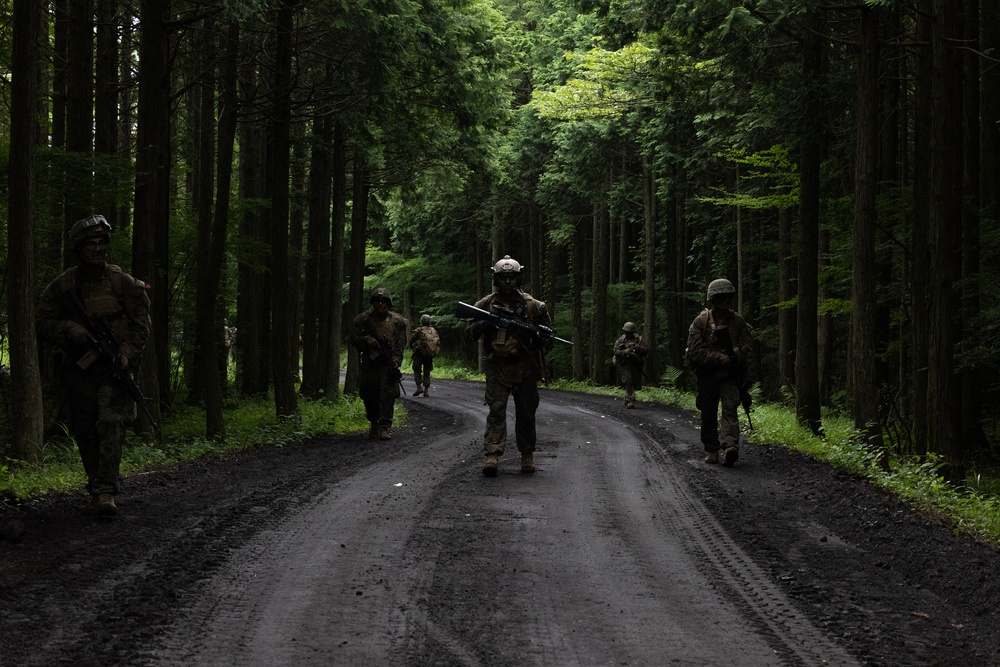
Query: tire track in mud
791, 633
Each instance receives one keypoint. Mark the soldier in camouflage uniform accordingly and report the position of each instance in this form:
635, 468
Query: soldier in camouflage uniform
423, 364
629, 354
514, 365
720, 348
97, 406
379, 335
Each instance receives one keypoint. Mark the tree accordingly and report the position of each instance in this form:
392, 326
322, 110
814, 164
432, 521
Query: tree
26, 395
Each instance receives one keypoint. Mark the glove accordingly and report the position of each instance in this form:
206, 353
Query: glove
485, 326
77, 333
123, 361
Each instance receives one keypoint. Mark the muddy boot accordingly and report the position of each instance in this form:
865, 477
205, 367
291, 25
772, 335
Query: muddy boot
527, 463
373, 431
383, 433
106, 505
490, 465
418, 391
426, 387
629, 403
712, 457
730, 456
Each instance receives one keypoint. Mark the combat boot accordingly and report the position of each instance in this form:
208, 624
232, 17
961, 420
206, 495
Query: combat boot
418, 391
490, 465
712, 457
426, 387
106, 505
629, 403
527, 463
383, 433
730, 456
373, 431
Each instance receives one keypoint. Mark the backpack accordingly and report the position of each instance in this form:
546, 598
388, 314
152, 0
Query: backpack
429, 344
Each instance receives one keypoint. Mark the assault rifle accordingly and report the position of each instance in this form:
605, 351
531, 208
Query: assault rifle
386, 350
740, 364
506, 318
107, 342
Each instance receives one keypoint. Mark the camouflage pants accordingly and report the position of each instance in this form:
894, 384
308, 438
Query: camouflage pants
631, 379
525, 403
422, 367
711, 392
378, 388
98, 409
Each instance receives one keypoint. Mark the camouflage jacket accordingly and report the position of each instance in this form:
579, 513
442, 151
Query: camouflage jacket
629, 350
706, 349
114, 294
393, 328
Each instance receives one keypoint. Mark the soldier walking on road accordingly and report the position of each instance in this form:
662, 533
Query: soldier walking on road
97, 404
720, 348
379, 335
629, 354
425, 344
514, 365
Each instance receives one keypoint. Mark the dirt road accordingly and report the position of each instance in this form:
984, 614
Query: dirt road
623, 549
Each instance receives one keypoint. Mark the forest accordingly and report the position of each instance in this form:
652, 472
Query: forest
266, 163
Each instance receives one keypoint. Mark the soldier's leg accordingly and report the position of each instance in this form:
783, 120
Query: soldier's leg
417, 373
388, 393
729, 431
428, 367
114, 408
525, 405
82, 412
495, 437
708, 402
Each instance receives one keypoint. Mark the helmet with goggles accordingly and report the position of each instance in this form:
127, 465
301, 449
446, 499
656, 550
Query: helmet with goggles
92, 227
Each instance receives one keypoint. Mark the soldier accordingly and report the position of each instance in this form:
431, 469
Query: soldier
97, 405
425, 344
380, 336
720, 348
514, 365
629, 354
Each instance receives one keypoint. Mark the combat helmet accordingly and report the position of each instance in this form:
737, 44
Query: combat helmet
380, 293
719, 286
425, 320
628, 327
95, 226
507, 267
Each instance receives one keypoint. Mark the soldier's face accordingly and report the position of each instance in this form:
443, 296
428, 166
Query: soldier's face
722, 302
94, 250
506, 282
380, 305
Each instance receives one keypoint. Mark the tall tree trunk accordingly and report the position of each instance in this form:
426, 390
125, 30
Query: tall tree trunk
26, 413
106, 100
971, 433
649, 322
296, 233
576, 294
359, 234
208, 292
807, 401
786, 315
944, 390
335, 331
920, 316
315, 317
281, 319
80, 108
599, 297
864, 402
60, 74
152, 192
